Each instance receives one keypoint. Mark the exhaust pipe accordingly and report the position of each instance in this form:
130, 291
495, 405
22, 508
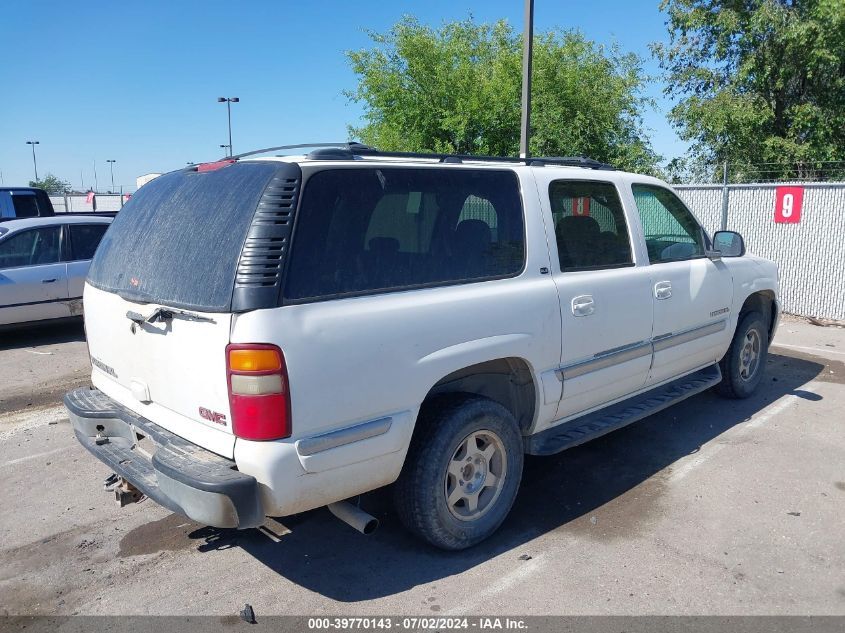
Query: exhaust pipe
354, 516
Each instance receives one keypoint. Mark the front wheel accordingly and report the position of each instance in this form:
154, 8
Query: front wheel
744, 363
462, 471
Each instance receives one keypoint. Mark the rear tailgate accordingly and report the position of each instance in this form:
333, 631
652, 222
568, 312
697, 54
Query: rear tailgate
172, 372
203, 243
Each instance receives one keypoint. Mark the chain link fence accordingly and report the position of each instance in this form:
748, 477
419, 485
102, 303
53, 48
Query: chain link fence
77, 203
810, 253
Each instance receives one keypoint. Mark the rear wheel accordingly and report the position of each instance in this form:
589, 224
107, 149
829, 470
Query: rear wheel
462, 471
744, 363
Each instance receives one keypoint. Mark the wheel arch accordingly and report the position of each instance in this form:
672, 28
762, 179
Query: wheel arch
765, 302
508, 381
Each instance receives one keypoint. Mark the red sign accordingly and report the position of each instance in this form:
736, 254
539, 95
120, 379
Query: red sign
581, 206
788, 204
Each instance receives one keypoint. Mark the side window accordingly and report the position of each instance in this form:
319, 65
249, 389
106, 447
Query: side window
26, 206
671, 231
376, 229
85, 238
590, 225
31, 248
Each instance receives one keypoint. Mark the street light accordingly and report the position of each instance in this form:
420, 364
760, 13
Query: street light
228, 148
34, 164
111, 169
229, 101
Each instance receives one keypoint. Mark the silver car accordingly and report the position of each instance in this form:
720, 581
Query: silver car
43, 264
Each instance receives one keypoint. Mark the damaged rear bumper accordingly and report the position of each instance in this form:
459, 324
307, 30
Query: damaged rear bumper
176, 474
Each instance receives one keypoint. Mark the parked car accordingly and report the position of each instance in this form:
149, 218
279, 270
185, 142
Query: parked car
24, 202
43, 264
272, 335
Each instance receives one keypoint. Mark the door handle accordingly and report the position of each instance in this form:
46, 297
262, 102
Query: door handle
583, 305
48, 281
663, 290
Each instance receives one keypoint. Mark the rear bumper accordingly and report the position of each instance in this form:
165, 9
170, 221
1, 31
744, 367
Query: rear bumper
178, 475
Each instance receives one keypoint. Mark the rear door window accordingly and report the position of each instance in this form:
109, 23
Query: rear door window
370, 230
590, 226
84, 239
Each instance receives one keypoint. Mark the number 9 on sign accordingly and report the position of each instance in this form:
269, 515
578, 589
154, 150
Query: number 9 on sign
788, 204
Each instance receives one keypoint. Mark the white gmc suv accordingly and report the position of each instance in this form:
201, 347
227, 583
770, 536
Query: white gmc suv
273, 335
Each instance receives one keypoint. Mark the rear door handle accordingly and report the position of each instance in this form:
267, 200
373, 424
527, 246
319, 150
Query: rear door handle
663, 290
583, 305
48, 281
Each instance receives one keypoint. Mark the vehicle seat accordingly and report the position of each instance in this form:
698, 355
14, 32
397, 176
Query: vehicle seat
471, 248
382, 261
578, 238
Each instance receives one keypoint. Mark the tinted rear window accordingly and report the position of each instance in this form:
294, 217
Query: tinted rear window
26, 206
178, 240
367, 230
85, 238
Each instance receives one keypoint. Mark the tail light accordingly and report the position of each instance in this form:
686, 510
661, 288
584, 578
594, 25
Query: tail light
258, 391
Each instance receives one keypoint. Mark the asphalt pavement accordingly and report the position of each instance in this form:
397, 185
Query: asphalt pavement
709, 507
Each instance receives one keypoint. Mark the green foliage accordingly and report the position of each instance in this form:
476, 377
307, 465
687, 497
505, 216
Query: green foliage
51, 184
457, 89
759, 81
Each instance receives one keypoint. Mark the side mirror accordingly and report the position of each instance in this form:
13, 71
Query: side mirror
729, 243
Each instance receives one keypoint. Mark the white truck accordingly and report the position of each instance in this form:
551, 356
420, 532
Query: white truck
270, 335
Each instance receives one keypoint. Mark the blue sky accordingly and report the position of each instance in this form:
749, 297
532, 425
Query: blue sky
138, 82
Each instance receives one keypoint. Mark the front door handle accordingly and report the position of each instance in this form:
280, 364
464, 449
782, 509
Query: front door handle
663, 290
48, 281
583, 305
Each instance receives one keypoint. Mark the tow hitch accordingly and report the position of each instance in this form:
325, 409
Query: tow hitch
125, 493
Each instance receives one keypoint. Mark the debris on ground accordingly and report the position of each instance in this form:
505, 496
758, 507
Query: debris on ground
525, 557
248, 614
794, 514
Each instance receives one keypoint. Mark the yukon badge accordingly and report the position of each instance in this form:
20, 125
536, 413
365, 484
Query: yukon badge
103, 367
212, 416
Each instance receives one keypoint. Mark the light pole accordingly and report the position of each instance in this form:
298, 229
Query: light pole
111, 169
527, 46
34, 164
227, 148
229, 101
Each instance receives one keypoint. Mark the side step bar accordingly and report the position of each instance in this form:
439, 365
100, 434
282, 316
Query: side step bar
598, 423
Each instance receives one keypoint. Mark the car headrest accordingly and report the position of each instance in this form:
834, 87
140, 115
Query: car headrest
577, 227
383, 245
473, 234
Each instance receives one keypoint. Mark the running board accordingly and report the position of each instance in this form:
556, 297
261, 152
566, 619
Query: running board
598, 423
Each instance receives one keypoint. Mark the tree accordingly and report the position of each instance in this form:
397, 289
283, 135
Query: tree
457, 89
51, 184
758, 81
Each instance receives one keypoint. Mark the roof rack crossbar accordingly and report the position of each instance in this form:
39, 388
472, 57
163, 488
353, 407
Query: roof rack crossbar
365, 150
569, 161
351, 145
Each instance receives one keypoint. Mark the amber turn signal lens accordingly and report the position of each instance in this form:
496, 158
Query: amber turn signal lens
254, 360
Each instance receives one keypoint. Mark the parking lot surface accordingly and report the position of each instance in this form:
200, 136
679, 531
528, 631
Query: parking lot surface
709, 507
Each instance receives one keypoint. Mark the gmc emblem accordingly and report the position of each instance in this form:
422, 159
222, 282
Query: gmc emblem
212, 416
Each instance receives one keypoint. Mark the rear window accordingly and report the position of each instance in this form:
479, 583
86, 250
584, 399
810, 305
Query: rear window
369, 230
26, 206
178, 240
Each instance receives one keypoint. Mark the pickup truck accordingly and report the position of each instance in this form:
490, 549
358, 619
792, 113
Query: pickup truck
24, 202
270, 335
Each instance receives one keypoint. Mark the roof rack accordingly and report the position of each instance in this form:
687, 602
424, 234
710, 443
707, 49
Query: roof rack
348, 151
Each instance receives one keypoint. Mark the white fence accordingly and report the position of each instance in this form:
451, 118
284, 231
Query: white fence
810, 254
78, 203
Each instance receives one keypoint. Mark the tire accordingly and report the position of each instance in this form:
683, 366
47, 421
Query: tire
741, 369
460, 438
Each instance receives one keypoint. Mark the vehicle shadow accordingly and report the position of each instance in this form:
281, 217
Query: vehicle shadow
37, 335
581, 492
